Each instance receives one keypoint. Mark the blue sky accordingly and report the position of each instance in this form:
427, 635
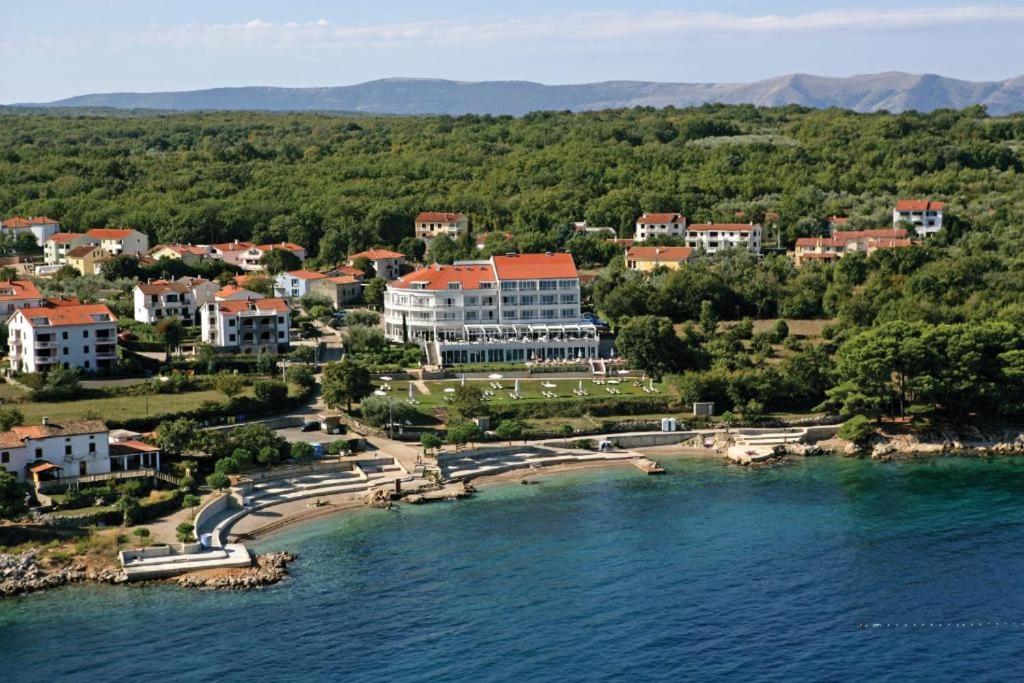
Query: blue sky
57, 48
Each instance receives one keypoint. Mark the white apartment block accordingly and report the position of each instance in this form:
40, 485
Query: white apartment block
512, 308
386, 263
117, 241
57, 246
659, 225
76, 336
181, 299
430, 224
247, 326
713, 237
49, 450
39, 227
923, 214
296, 284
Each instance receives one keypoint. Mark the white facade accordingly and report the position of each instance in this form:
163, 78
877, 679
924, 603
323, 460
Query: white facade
659, 225
713, 237
77, 336
387, 264
296, 284
57, 246
430, 224
117, 241
39, 227
155, 301
508, 309
924, 215
77, 448
254, 326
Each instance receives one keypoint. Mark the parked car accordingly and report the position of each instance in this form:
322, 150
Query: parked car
310, 426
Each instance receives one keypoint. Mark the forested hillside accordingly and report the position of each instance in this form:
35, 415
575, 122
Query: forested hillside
348, 183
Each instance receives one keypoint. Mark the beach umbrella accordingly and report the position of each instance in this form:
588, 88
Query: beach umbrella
385, 378
495, 375
449, 390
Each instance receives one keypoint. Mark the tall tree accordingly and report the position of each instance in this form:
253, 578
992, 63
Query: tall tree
344, 382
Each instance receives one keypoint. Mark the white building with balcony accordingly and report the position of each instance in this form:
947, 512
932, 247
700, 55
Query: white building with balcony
296, 284
659, 225
247, 326
117, 241
179, 299
39, 227
50, 450
430, 224
925, 215
714, 237
512, 308
57, 245
74, 336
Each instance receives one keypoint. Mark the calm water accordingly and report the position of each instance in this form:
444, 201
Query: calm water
709, 573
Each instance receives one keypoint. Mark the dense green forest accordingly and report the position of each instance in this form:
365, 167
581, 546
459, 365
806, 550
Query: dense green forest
931, 330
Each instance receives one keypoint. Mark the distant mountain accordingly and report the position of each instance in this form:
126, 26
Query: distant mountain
893, 91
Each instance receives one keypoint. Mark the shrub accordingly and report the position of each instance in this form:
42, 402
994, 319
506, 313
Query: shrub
270, 392
218, 481
141, 532
129, 507
184, 531
301, 375
191, 500
302, 451
857, 429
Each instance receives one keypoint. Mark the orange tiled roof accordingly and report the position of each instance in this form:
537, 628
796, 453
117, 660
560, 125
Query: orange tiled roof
376, 254
438, 216
662, 218
918, 205
65, 236
720, 227
305, 274
59, 316
22, 222
279, 305
535, 266
438, 277
110, 233
285, 246
659, 253
82, 250
15, 290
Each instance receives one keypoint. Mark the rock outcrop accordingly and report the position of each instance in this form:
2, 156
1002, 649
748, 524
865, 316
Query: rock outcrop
23, 573
267, 570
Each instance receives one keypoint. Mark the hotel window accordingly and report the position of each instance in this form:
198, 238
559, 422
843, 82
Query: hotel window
568, 313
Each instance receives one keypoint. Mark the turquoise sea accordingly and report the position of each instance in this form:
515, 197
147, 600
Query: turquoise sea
709, 573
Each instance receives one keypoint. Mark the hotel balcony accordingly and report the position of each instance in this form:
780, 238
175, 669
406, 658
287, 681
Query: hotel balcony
45, 344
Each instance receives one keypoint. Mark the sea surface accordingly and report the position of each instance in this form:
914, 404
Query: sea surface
827, 569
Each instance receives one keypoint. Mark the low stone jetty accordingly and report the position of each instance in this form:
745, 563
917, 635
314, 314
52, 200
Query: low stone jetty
451, 491
267, 570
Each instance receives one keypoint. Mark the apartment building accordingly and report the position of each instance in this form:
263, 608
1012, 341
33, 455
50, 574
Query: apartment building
57, 246
189, 254
15, 294
843, 242
78, 336
51, 450
386, 263
39, 227
713, 237
86, 259
511, 308
296, 284
430, 224
154, 301
924, 214
646, 259
340, 289
118, 241
230, 252
247, 326
659, 225
251, 259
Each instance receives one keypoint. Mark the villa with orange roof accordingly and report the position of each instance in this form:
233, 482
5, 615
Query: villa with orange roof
843, 242
251, 259
72, 336
15, 294
189, 254
236, 293
430, 224
117, 241
86, 259
247, 326
57, 246
510, 308
924, 214
659, 225
386, 263
39, 227
649, 258
181, 299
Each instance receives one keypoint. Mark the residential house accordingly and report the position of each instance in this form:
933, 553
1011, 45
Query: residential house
511, 308
39, 227
230, 252
236, 293
118, 241
346, 270
648, 258
841, 243
51, 450
296, 284
86, 259
340, 289
77, 336
659, 225
252, 258
430, 224
247, 326
386, 263
189, 254
160, 299
924, 214
713, 237
57, 246
15, 294
581, 228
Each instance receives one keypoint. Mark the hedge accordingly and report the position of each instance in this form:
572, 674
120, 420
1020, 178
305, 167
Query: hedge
603, 407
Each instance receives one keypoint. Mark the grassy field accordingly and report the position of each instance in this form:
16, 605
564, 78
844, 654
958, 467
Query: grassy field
121, 407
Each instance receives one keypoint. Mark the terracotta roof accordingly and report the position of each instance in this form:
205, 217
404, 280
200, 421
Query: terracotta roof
820, 242
65, 236
110, 233
15, 290
438, 216
662, 218
59, 316
44, 467
347, 270
659, 253
132, 446
305, 274
82, 250
267, 305
343, 280
22, 222
161, 286
376, 254
232, 246
55, 301
887, 243
890, 233
285, 246
918, 205
51, 430
438, 277
535, 266
182, 249
621, 241
231, 290
720, 227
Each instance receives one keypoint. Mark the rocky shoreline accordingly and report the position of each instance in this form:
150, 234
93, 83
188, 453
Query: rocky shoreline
24, 573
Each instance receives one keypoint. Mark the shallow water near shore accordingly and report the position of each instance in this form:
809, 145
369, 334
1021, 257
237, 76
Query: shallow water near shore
710, 572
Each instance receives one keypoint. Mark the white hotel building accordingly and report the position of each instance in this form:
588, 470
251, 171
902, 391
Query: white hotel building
76, 336
659, 225
512, 308
713, 237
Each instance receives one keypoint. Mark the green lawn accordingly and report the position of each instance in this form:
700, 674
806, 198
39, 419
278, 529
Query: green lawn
120, 408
